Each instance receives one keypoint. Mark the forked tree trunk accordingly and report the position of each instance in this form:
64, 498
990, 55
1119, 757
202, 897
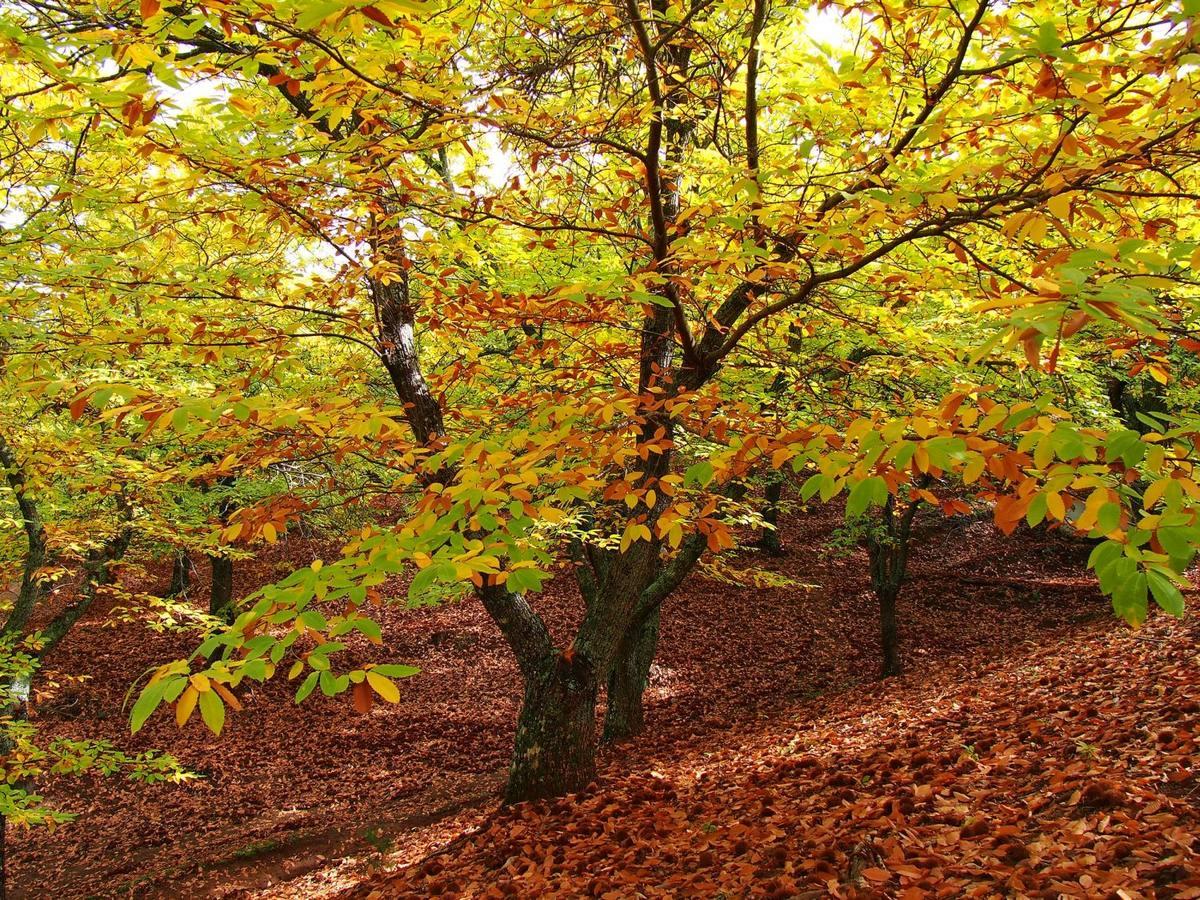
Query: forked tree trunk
888, 553
627, 682
555, 751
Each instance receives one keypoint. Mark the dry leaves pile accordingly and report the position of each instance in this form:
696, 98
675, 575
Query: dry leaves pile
1071, 770
1027, 742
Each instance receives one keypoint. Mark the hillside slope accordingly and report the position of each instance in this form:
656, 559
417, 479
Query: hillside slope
1068, 769
304, 801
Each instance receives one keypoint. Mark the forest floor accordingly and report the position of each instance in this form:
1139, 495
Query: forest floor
1035, 746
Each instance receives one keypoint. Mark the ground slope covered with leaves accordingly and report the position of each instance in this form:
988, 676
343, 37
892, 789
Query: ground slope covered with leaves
1062, 770
1069, 769
764, 695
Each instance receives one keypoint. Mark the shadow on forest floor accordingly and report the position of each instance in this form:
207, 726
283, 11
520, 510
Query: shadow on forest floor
312, 797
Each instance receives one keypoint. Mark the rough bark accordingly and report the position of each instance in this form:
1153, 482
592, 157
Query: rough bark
629, 678
555, 751
398, 349
181, 574
220, 596
769, 541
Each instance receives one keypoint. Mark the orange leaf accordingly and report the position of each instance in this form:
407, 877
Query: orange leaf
362, 698
228, 695
877, 874
149, 8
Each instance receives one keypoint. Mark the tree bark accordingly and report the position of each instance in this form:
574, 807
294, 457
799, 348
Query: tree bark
769, 541
555, 750
181, 574
220, 597
36, 554
889, 636
888, 554
398, 349
629, 678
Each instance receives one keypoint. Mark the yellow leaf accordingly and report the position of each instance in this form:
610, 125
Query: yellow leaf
269, 533
187, 703
142, 55
1059, 205
973, 469
242, 105
628, 537
1056, 507
675, 536
200, 682
1154, 493
384, 687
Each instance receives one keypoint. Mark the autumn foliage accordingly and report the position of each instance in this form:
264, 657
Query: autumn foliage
489, 294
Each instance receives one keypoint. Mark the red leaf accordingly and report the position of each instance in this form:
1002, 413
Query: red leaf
376, 16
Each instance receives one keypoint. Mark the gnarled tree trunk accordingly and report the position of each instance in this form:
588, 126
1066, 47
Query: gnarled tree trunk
555, 747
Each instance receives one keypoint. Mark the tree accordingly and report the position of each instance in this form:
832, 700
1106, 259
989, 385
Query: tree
671, 186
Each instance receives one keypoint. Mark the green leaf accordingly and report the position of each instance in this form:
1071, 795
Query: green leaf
315, 13
422, 581
811, 485
1047, 39
1109, 518
1180, 542
391, 670
369, 627
212, 710
1166, 593
864, 494
147, 703
1129, 599
701, 473
306, 686
1103, 554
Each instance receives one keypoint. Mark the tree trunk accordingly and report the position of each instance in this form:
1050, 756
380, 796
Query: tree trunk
888, 554
769, 541
181, 574
889, 634
555, 751
220, 599
628, 680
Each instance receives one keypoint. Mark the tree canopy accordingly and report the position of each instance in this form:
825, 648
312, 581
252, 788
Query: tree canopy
498, 290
